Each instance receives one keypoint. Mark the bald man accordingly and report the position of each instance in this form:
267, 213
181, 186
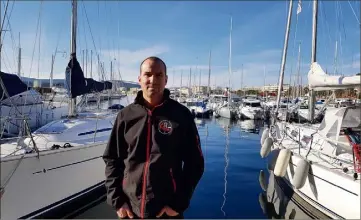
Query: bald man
153, 159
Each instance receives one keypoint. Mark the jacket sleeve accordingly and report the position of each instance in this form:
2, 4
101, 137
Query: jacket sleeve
193, 168
114, 155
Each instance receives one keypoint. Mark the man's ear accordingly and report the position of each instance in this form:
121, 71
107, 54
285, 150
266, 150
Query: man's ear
138, 79
166, 79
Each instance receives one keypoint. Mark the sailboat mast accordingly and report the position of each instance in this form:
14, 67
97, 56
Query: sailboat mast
91, 63
190, 80
264, 81
284, 55
52, 70
244, 92
209, 73
72, 110
2, 86
311, 102
298, 70
199, 84
86, 63
230, 63
19, 58
181, 79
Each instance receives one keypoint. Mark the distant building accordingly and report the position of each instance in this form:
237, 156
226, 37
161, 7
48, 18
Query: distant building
185, 91
199, 89
274, 88
248, 88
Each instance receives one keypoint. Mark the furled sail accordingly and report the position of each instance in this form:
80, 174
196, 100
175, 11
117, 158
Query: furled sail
320, 81
76, 84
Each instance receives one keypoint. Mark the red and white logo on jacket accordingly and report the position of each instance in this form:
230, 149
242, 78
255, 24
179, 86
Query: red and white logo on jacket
165, 127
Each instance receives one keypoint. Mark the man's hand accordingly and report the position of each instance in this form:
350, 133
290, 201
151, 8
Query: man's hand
124, 212
168, 211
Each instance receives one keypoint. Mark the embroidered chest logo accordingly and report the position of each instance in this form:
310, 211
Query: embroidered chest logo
165, 127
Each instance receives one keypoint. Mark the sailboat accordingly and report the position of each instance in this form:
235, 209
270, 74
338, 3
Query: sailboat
226, 110
55, 182
321, 163
18, 103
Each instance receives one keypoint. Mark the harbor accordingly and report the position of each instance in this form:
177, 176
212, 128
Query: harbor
279, 141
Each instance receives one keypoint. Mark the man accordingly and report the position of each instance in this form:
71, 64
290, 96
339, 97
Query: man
153, 159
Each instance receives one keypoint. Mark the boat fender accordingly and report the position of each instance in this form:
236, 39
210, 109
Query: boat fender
262, 180
266, 147
271, 164
262, 199
301, 173
282, 162
265, 134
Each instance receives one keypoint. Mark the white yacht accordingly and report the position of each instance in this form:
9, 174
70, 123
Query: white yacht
198, 108
251, 109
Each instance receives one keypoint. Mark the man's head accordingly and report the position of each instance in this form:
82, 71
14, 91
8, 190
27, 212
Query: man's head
153, 78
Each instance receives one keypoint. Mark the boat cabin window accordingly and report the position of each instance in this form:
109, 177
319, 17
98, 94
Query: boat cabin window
257, 104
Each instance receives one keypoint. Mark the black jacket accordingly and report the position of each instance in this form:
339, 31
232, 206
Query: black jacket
145, 154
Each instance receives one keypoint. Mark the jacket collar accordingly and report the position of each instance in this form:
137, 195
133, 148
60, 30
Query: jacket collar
140, 100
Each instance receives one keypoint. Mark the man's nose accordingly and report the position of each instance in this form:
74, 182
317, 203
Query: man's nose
152, 79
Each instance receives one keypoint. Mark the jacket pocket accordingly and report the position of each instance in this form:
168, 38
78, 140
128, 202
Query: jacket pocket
173, 180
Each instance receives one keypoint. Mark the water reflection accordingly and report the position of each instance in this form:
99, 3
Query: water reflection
201, 122
226, 123
250, 126
278, 201
227, 130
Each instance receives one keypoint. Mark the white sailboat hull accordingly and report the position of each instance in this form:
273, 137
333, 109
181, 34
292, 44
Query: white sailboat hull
55, 175
226, 112
323, 186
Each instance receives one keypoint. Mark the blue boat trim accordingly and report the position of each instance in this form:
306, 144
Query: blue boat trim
66, 165
92, 132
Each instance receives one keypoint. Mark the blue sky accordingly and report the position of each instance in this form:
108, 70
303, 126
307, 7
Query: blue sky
183, 33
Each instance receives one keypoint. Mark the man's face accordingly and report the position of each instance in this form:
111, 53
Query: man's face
152, 78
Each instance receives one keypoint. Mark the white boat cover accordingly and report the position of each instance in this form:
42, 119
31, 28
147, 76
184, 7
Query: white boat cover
318, 80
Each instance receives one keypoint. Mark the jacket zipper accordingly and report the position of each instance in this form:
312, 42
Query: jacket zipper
146, 165
173, 180
142, 206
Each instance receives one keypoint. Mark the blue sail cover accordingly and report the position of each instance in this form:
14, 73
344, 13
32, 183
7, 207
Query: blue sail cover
79, 84
95, 86
108, 85
13, 85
